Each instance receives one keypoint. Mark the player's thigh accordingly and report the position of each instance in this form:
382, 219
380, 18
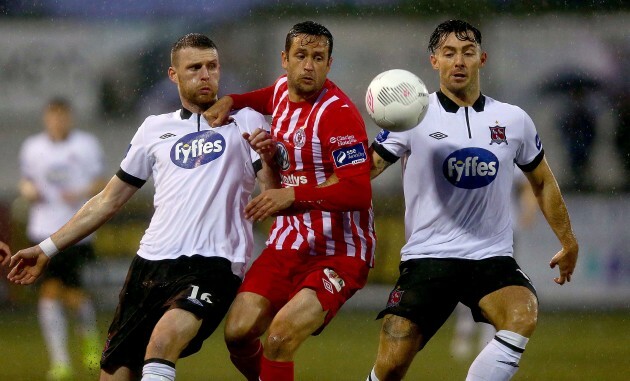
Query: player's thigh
248, 317
74, 297
51, 288
172, 333
513, 308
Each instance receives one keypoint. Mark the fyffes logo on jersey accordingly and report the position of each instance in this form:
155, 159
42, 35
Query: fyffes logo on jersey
198, 148
470, 168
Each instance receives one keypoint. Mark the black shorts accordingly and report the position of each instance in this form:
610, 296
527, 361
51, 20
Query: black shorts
428, 290
204, 286
66, 265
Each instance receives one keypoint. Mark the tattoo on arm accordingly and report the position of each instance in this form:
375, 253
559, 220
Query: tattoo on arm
378, 165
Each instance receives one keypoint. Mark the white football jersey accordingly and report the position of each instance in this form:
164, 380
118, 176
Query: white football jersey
203, 179
57, 167
458, 170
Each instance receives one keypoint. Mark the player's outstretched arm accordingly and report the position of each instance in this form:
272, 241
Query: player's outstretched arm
5, 254
379, 165
28, 264
219, 113
554, 209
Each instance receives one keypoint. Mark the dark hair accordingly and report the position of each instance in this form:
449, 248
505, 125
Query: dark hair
463, 31
192, 40
310, 28
58, 104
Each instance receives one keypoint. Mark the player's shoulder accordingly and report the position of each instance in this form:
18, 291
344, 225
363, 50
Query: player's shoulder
162, 118
247, 120
494, 105
246, 113
36, 138
84, 135
156, 123
337, 102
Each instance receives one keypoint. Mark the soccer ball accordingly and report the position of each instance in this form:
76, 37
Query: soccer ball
396, 100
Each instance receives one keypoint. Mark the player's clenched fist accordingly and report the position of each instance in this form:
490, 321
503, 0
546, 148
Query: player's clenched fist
262, 142
219, 113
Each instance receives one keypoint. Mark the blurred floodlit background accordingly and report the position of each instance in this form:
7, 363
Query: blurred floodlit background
110, 58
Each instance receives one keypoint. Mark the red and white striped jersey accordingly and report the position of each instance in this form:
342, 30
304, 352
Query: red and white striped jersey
315, 140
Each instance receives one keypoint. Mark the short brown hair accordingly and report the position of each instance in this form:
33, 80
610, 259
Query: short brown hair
192, 40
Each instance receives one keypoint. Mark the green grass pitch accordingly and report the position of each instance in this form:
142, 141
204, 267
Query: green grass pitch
566, 346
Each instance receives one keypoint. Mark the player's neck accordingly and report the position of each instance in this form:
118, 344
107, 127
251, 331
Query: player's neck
463, 98
196, 108
59, 137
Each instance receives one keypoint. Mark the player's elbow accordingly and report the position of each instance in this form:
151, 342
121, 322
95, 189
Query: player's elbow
358, 192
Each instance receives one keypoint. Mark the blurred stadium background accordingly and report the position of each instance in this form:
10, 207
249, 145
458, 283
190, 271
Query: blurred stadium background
110, 59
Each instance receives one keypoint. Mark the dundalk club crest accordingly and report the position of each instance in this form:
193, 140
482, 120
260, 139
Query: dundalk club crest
497, 135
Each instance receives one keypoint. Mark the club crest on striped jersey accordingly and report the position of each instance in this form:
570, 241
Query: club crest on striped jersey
471, 168
354, 154
282, 157
299, 138
198, 148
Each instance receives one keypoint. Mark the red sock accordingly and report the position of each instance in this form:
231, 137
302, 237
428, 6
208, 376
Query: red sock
275, 370
249, 363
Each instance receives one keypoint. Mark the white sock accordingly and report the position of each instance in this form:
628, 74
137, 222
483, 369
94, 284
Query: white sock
54, 329
486, 334
87, 319
372, 376
158, 370
498, 361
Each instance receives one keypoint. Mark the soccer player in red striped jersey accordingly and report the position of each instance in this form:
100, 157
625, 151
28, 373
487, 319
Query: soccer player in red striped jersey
321, 245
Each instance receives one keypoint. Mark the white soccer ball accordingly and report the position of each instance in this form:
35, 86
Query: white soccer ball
396, 100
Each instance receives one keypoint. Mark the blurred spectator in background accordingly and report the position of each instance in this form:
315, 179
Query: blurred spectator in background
5, 256
577, 122
468, 334
5, 236
60, 170
622, 136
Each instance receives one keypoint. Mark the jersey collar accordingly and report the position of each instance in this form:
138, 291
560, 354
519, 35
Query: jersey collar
185, 114
450, 106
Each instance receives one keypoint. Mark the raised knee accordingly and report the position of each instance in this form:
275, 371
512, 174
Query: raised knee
238, 336
522, 321
279, 343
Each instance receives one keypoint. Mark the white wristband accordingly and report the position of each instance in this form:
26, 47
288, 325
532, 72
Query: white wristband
48, 247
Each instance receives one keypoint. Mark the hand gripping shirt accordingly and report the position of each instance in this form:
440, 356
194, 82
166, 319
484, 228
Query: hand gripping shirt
316, 140
203, 179
57, 167
458, 170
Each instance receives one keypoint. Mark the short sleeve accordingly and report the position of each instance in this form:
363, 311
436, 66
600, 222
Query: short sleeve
530, 152
251, 121
136, 161
392, 145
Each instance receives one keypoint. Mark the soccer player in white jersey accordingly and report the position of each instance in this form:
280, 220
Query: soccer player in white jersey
61, 168
319, 252
193, 254
458, 169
